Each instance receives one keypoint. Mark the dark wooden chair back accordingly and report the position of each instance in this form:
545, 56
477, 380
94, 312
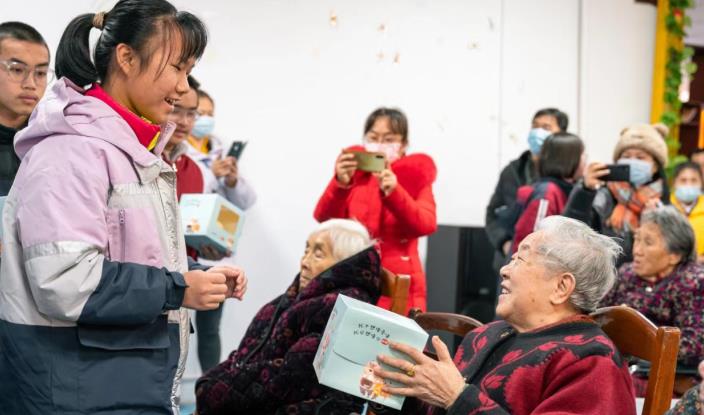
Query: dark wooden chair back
635, 335
456, 324
397, 287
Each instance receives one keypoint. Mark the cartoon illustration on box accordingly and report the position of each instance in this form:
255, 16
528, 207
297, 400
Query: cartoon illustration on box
370, 385
193, 226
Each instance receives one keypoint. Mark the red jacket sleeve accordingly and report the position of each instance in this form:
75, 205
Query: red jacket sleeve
417, 215
333, 202
594, 385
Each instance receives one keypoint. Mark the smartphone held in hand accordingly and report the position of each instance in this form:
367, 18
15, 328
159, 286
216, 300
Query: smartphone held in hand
370, 162
617, 173
236, 149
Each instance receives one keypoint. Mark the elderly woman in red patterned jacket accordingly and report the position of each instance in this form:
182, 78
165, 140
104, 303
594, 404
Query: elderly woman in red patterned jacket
547, 356
665, 282
272, 370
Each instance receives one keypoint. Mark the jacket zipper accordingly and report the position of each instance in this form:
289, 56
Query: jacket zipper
121, 216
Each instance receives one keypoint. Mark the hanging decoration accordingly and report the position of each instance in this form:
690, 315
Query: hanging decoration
678, 62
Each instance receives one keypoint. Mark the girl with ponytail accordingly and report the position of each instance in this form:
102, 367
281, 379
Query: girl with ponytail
94, 269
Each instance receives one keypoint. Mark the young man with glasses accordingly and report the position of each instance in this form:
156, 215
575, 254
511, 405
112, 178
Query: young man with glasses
24, 75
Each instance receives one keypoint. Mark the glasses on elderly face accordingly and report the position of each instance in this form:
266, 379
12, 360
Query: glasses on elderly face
18, 72
189, 114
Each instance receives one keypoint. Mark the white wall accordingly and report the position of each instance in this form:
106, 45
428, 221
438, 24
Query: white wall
469, 75
616, 70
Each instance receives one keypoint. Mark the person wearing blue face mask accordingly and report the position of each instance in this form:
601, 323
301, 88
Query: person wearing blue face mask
614, 208
519, 172
220, 175
688, 182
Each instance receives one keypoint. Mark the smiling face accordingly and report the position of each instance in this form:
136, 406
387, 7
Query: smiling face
150, 88
18, 99
317, 258
531, 294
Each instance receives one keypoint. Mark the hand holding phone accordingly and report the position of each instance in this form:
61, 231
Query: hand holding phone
345, 167
617, 173
593, 175
370, 162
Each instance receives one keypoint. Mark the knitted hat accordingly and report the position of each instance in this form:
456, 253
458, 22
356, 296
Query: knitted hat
649, 138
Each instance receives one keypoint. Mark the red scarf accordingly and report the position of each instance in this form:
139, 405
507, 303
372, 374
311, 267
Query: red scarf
147, 132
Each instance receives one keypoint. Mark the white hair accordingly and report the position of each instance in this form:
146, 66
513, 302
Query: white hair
568, 245
347, 237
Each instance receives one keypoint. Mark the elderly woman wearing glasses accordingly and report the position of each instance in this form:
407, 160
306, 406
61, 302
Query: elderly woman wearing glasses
547, 356
664, 281
396, 204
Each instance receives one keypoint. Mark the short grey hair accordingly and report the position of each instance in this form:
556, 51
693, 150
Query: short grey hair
347, 237
675, 229
568, 245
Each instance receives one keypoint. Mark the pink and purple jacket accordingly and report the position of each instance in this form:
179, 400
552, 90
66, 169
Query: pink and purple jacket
91, 281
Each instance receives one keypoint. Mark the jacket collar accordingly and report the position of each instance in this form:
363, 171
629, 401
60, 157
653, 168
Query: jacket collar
362, 270
147, 133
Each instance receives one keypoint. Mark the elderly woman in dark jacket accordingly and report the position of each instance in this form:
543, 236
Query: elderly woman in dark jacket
272, 370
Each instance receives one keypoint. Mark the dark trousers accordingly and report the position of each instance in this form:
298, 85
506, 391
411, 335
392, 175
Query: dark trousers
208, 335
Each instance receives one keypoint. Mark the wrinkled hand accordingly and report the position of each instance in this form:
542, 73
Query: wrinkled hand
593, 174
212, 254
387, 181
345, 167
236, 280
438, 383
205, 291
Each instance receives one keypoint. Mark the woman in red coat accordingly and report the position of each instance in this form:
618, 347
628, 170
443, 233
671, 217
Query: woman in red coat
396, 205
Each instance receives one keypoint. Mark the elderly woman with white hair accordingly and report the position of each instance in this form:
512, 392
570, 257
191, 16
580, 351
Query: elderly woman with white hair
547, 356
272, 370
665, 282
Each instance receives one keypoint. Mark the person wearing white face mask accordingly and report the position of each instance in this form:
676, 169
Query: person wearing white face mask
396, 205
614, 208
519, 172
688, 182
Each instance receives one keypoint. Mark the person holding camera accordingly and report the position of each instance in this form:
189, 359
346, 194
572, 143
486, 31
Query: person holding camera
611, 203
393, 199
